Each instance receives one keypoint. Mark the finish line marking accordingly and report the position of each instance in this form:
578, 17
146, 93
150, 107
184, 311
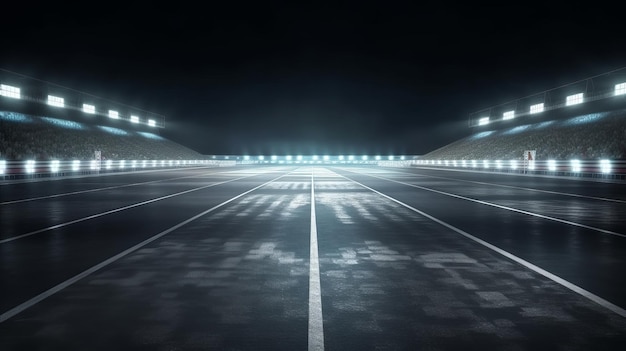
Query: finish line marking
555, 278
316, 321
44, 295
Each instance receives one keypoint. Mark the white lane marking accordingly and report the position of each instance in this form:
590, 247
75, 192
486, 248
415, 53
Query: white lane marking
33, 301
316, 321
521, 188
101, 189
573, 287
605, 231
61, 225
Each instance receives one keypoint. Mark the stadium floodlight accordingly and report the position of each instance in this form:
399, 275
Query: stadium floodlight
536, 108
91, 109
531, 165
575, 164
93, 165
486, 163
109, 164
151, 123
133, 164
315, 157
351, 158
246, 158
445, 162
122, 164
513, 164
574, 99
288, 158
390, 158
75, 165
454, 163
508, 115
498, 164
143, 163
326, 157
134, 119
605, 166
171, 162
114, 114
54, 166
10, 91
474, 164
402, 158
620, 89
56, 101
274, 157
463, 164
3, 166
364, 157
551, 165
377, 158
261, 158
299, 158
483, 121
162, 163
30, 166
340, 157
154, 163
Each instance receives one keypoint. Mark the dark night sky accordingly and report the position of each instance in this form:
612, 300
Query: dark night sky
362, 77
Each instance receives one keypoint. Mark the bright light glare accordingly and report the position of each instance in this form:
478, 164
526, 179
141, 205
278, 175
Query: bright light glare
552, 165
3, 166
10, 91
474, 163
154, 163
463, 164
134, 119
75, 165
315, 157
56, 101
143, 163
274, 157
326, 157
377, 158
123, 164
134, 164
109, 163
536, 108
364, 158
620, 89
483, 121
351, 158
390, 158
114, 114
245, 158
93, 164
513, 164
54, 166
574, 99
531, 165
605, 166
508, 115
498, 164
575, 164
288, 158
341, 158
261, 158
89, 108
30, 166
486, 163
151, 123
454, 163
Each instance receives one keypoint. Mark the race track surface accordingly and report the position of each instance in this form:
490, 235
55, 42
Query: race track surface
312, 258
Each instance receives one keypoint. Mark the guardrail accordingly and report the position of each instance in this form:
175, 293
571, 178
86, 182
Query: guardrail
58, 168
610, 169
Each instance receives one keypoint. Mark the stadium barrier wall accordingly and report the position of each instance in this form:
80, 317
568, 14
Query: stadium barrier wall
57, 168
608, 169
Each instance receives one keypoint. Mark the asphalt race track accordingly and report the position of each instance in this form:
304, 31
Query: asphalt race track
312, 258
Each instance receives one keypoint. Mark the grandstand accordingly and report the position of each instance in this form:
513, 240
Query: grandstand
24, 137
589, 136
583, 120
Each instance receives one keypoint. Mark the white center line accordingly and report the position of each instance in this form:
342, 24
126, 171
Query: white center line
316, 322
